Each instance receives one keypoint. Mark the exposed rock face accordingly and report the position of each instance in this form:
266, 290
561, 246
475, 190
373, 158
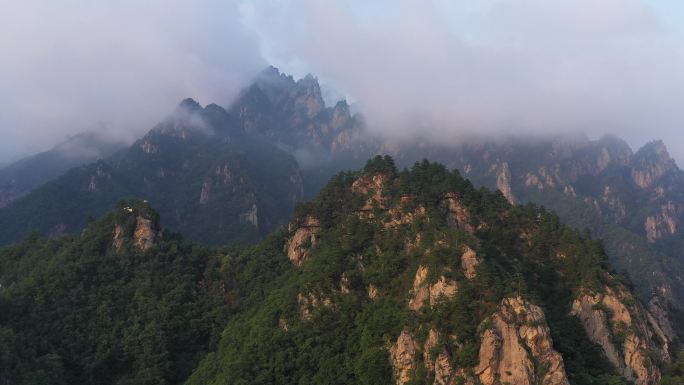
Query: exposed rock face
372, 292
372, 186
403, 357
99, 178
660, 319
663, 224
399, 216
457, 214
118, 237
424, 293
148, 146
205, 193
651, 163
503, 182
440, 365
145, 235
607, 321
303, 237
469, 263
308, 303
614, 204
421, 292
517, 346
251, 216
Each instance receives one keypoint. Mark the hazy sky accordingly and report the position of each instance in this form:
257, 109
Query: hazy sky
444, 66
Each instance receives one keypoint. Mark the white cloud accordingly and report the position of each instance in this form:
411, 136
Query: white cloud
448, 67
67, 65
489, 66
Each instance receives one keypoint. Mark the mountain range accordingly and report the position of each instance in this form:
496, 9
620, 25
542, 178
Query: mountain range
386, 277
416, 275
233, 175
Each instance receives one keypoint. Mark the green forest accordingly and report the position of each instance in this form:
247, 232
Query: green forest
84, 309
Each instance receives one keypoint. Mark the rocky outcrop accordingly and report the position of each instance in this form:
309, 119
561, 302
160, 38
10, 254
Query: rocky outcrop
424, 293
457, 214
517, 348
372, 292
662, 224
145, 234
399, 216
503, 182
437, 361
469, 263
650, 163
371, 185
303, 236
251, 216
403, 357
659, 317
306, 304
624, 332
205, 193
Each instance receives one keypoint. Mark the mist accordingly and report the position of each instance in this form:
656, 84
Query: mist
448, 69
120, 66
441, 69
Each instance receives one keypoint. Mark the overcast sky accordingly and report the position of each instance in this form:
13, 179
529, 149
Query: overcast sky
447, 67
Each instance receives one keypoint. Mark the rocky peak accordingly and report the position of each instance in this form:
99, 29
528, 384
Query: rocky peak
517, 348
340, 115
188, 105
306, 97
619, 151
136, 222
650, 163
273, 82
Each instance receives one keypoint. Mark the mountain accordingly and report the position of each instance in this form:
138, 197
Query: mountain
294, 115
634, 201
387, 277
121, 302
280, 130
218, 175
205, 176
21, 177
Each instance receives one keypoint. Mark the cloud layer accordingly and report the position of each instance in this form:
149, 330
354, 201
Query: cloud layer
72, 65
443, 67
455, 67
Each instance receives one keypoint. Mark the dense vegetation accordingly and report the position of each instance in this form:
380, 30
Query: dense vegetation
77, 310
80, 309
345, 338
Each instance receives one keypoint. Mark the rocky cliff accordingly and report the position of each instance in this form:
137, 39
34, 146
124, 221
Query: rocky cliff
517, 348
627, 332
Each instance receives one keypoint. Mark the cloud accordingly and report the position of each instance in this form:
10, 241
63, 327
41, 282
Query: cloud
488, 66
72, 65
443, 67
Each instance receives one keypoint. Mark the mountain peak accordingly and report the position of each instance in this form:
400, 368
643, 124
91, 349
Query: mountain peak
650, 163
188, 105
654, 153
656, 149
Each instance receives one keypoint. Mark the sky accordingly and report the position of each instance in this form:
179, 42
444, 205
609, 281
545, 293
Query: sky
430, 67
